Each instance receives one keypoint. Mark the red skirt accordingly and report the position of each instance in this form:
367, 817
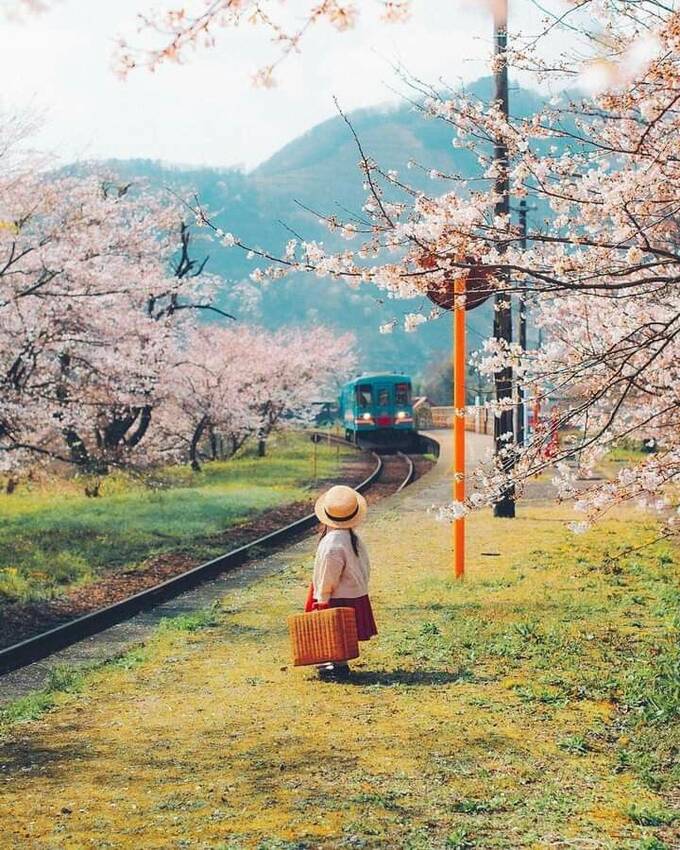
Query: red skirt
366, 627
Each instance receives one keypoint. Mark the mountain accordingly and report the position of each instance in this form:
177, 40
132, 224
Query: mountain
319, 171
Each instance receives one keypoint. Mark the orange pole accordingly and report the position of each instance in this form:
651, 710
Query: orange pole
459, 358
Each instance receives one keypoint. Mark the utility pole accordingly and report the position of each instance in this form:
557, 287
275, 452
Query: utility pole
502, 325
459, 408
522, 305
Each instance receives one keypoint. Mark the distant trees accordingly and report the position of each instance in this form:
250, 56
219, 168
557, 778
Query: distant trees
436, 382
231, 384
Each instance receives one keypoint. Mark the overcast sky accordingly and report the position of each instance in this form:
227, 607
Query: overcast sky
207, 112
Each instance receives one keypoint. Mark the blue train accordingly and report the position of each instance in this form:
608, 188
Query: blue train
378, 410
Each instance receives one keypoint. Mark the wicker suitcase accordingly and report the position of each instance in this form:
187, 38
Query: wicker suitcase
322, 636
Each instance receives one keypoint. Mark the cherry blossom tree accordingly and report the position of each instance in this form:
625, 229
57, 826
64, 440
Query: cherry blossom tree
90, 309
102, 361
295, 367
179, 31
204, 395
229, 384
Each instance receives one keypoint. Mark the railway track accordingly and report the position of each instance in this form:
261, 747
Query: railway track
390, 474
398, 471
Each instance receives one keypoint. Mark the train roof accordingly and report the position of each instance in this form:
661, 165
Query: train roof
378, 376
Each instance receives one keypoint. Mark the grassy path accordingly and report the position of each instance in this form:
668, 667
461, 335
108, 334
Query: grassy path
530, 706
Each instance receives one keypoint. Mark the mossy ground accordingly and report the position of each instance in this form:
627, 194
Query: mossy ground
53, 537
530, 706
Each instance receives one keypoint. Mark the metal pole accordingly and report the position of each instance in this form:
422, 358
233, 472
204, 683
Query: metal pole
502, 326
459, 357
522, 305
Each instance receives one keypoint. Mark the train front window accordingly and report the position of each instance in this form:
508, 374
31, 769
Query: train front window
403, 393
364, 395
383, 397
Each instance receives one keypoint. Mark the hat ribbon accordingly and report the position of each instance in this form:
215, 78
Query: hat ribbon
342, 518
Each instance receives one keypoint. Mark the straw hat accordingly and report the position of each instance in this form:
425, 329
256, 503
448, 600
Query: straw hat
341, 507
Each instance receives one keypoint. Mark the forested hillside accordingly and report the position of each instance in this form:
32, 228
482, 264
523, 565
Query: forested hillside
319, 171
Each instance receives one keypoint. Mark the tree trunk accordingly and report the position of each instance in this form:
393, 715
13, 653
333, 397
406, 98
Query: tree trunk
142, 426
11, 485
79, 454
193, 448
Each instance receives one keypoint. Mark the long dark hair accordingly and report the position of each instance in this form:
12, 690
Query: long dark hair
352, 536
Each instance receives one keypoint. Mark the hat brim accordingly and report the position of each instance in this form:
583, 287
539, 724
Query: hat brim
357, 519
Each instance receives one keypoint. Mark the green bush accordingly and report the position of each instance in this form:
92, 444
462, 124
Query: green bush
576, 744
652, 843
192, 622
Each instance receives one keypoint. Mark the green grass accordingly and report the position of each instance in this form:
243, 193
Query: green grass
53, 537
645, 816
575, 744
622, 454
534, 705
653, 843
629, 452
60, 680
610, 636
459, 839
192, 622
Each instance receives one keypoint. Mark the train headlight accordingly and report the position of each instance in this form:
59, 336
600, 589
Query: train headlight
401, 415
366, 416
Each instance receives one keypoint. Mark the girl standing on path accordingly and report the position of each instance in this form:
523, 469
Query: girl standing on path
341, 566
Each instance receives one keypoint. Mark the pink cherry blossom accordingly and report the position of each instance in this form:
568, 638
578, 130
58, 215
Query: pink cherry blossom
229, 384
91, 305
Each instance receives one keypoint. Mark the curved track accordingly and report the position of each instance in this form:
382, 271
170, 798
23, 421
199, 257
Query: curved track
390, 474
411, 472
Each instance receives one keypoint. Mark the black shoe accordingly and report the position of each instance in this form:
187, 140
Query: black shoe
341, 671
333, 672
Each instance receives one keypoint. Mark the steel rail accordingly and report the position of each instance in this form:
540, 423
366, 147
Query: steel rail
42, 645
411, 472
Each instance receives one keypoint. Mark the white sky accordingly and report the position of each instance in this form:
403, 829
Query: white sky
207, 112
